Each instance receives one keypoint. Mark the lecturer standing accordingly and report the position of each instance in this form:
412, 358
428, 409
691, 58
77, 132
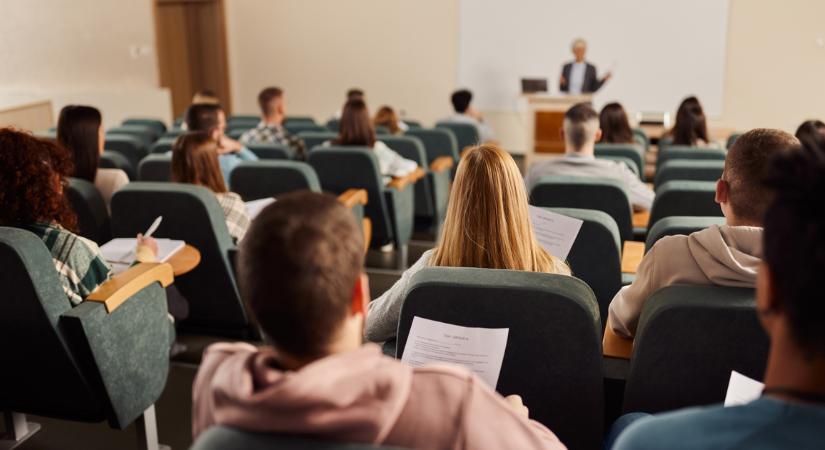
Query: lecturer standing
579, 76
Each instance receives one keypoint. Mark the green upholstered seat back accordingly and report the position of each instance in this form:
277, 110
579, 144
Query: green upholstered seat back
313, 139
669, 226
553, 357
156, 167
671, 152
466, 134
632, 151
688, 340
684, 198
253, 180
689, 170
437, 142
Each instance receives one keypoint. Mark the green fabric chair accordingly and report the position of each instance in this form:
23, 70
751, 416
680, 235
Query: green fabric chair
156, 167
604, 195
381, 130
192, 214
553, 357
132, 147
147, 133
596, 255
684, 198
389, 209
47, 134
334, 125
227, 438
271, 151
90, 208
173, 133
437, 142
243, 121
626, 161
79, 364
253, 180
688, 340
431, 192
314, 139
641, 137
237, 131
732, 138
157, 125
466, 134
114, 160
297, 127
684, 152
689, 170
634, 152
674, 225
299, 119
162, 145
412, 123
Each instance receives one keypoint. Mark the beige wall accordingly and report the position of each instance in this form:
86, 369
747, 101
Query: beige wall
401, 52
775, 73
81, 51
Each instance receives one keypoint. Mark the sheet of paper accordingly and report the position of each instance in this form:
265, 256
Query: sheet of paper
555, 232
254, 207
481, 350
121, 251
742, 389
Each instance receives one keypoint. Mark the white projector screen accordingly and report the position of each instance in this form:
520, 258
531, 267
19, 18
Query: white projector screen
660, 50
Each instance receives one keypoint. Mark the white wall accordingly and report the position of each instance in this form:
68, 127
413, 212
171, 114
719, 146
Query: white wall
401, 52
82, 51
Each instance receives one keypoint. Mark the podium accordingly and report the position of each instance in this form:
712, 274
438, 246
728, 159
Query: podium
545, 120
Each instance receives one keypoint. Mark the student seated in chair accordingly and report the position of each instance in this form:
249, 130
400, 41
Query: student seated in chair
691, 127
32, 178
195, 161
386, 117
272, 102
726, 255
80, 130
791, 410
301, 271
614, 125
465, 113
210, 117
487, 226
581, 132
357, 129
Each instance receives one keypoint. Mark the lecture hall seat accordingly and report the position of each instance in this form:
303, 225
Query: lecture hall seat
684, 198
674, 225
156, 167
131, 147
92, 217
106, 359
672, 152
157, 125
632, 151
688, 341
553, 357
114, 160
313, 139
604, 195
466, 134
689, 170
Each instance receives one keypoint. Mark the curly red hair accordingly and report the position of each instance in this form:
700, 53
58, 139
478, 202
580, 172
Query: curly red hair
32, 178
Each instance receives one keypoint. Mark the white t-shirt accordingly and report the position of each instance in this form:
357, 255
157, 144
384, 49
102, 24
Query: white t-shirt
577, 71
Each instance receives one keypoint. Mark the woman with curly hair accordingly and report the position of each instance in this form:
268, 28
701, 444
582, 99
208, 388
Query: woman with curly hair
32, 178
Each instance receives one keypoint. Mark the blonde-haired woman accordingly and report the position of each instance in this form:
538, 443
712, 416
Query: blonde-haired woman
487, 226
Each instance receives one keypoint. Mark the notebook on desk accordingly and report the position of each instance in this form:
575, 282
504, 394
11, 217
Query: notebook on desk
120, 252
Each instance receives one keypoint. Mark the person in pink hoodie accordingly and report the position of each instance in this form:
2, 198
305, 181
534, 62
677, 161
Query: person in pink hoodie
726, 255
301, 273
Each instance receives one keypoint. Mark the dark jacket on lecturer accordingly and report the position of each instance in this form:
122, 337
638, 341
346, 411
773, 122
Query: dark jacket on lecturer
591, 82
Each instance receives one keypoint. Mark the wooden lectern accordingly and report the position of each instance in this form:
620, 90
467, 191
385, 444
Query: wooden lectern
545, 119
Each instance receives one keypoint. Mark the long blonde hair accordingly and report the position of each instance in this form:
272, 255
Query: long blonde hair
488, 222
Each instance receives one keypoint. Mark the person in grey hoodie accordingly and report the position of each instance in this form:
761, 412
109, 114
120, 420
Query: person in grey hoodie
726, 255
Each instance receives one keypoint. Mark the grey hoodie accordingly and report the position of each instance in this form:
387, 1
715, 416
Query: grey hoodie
720, 255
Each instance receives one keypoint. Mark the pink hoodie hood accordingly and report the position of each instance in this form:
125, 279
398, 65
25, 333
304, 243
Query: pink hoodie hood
242, 386
727, 256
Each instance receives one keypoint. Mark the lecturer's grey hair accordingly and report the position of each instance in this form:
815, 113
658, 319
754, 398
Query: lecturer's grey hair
578, 42
581, 123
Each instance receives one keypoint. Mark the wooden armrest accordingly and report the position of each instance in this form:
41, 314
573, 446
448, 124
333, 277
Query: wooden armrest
616, 346
120, 287
352, 197
401, 182
441, 164
649, 186
632, 255
366, 226
641, 218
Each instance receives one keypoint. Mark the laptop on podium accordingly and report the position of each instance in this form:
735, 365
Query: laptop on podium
533, 85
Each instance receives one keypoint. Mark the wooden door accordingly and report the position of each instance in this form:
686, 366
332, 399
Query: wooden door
191, 49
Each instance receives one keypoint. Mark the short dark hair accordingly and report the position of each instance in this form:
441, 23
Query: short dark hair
746, 165
202, 116
794, 243
298, 265
78, 129
577, 118
812, 133
461, 100
265, 98
355, 94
